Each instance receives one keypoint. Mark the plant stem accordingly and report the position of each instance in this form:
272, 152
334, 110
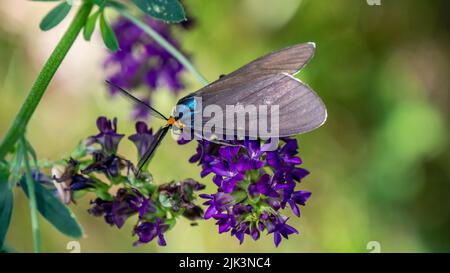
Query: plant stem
165, 44
31, 197
45, 76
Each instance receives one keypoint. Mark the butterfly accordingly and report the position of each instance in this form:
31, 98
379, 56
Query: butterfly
268, 81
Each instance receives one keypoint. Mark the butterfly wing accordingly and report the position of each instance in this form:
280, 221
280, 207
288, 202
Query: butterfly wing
266, 81
289, 60
300, 109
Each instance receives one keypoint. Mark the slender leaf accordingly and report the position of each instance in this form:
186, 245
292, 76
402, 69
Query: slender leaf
54, 211
32, 152
6, 204
108, 35
100, 3
90, 26
55, 16
15, 170
167, 10
35, 227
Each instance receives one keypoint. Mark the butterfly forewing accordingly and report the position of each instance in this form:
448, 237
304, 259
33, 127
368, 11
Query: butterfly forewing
300, 110
267, 81
288, 60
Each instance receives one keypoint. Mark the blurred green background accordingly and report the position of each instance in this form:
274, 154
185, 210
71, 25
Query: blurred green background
379, 166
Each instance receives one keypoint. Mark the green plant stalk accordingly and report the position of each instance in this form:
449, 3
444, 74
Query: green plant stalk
31, 197
165, 44
45, 76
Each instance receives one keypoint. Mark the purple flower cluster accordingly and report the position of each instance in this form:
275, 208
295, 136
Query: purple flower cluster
108, 137
106, 159
156, 207
126, 203
155, 215
178, 196
253, 186
141, 61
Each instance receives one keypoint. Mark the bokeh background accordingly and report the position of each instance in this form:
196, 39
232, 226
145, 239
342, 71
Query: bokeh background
379, 166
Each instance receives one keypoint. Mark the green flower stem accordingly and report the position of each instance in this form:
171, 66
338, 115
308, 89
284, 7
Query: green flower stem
165, 44
43, 79
31, 197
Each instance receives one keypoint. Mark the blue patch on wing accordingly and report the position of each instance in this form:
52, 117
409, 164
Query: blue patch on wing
191, 103
186, 109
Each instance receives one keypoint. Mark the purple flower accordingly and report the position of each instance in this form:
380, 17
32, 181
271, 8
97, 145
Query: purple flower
126, 203
180, 196
108, 137
147, 231
225, 221
263, 186
276, 224
100, 207
141, 61
130, 201
70, 179
254, 152
255, 232
147, 207
286, 154
143, 138
300, 198
110, 165
81, 182
230, 167
240, 230
253, 185
206, 154
217, 202
156, 207
284, 161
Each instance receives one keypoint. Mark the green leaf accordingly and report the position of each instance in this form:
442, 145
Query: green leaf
103, 194
32, 152
6, 204
90, 26
108, 35
54, 210
100, 3
15, 170
55, 16
167, 10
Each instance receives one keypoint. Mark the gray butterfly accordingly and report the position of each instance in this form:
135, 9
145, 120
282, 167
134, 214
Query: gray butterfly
268, 81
